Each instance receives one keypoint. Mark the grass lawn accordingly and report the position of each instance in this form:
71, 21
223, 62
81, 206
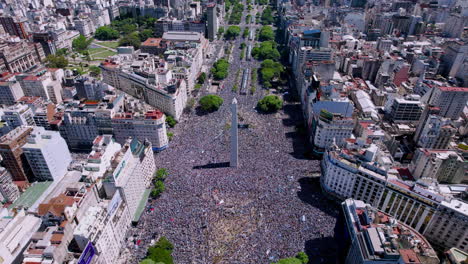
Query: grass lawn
104, 54
96, 50
109, 44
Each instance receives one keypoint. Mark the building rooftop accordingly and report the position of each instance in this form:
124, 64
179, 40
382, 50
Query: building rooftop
383, 238
153, 42
31, 195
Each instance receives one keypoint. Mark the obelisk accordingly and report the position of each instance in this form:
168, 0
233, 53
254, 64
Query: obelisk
234, 139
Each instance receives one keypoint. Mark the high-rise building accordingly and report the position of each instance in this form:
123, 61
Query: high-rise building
436, 133
376, 237
212, 21
450, 100
10, 92
11, 150
47, 154
442, 165
406, 109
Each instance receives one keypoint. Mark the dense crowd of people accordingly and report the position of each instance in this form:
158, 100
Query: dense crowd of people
256, 213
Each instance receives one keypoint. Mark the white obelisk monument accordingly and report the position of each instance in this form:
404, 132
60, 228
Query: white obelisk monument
234, 139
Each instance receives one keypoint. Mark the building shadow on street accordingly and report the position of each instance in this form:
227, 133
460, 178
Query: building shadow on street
311, 193
212, 166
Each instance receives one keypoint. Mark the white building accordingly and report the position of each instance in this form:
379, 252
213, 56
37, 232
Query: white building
84, 26
100, 157
10, 92
131, 171
47, 154
104, 227
149, 126
15, 232
43, 83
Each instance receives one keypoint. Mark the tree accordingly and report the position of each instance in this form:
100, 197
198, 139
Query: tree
81, 43
301, 258
270, 70
160, 174
267, 16
202, 78
245, 34
270, 104
158, 189
161, 251
94, 70
61, 52
106, 33
147, 261
131, 40
266, 33
54, 61
145, 34
171, 122
128, 28
211, 102
220, 69
232, 32
266, 50
220, 31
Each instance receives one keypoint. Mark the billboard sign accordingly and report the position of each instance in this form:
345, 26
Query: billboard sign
88, 254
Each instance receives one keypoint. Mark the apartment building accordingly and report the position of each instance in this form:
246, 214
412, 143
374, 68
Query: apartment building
368, 175
9, 192
103, 229
436, 133
18, 115
150, 125
450, 100
445, 166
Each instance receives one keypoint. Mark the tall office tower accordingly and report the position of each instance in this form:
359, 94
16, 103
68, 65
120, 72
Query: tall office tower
13, 157
450, 100
47, 154
10, 92
212, 21
376, 237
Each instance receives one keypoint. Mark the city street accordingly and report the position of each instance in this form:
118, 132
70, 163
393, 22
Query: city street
267, 208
